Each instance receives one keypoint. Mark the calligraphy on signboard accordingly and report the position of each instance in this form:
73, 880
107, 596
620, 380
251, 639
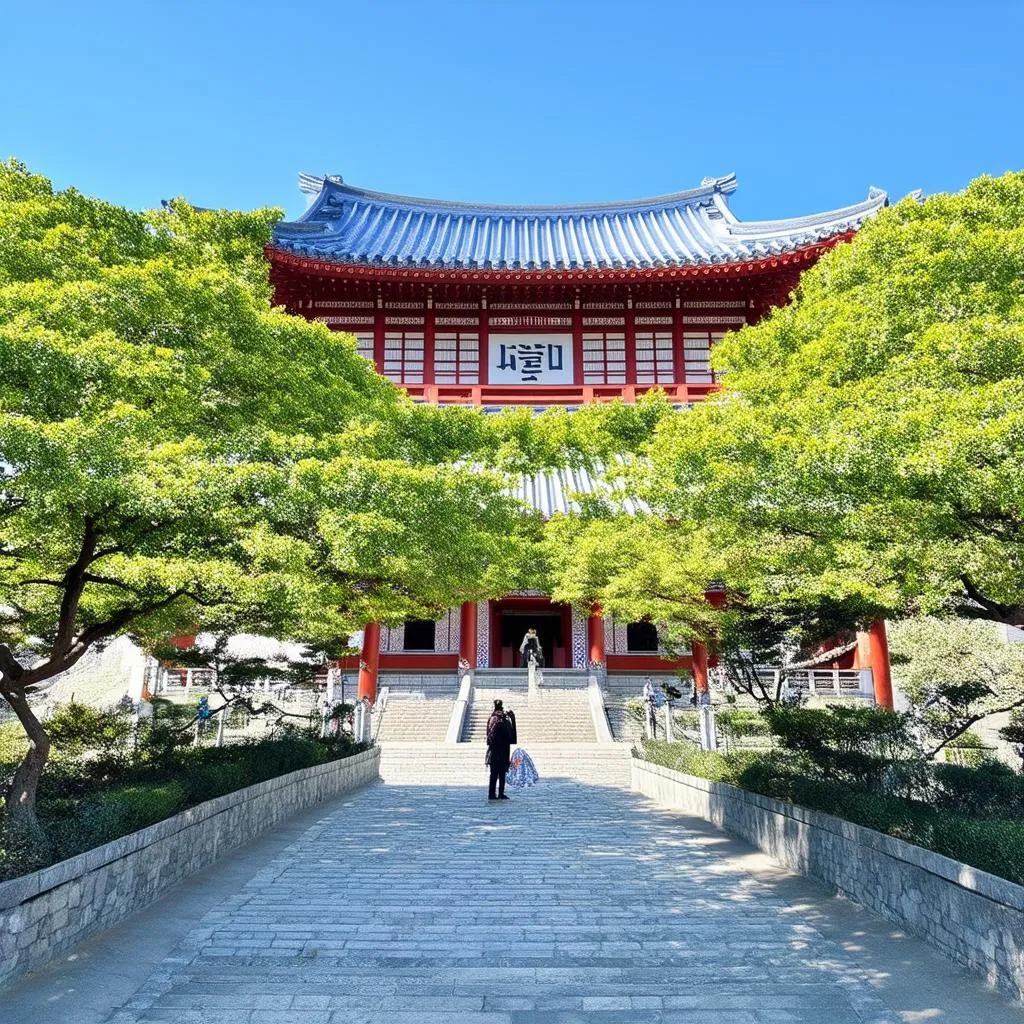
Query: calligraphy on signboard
531, 359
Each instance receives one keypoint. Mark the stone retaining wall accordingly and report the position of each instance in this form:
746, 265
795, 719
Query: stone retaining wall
50, 911
972, 916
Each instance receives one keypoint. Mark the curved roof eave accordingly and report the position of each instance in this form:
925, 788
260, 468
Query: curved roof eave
693, 228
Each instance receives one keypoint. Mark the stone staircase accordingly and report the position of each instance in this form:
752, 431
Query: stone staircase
551, 715
617, 691
439, 764
412, 719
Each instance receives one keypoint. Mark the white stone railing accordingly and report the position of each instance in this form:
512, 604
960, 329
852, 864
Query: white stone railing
595, 698
824, 682
456, 722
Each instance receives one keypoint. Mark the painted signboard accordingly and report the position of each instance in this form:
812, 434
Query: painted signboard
530, 359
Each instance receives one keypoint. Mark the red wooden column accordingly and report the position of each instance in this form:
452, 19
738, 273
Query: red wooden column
873, 653
699, 663
369, 662
595, 635
630, 343
467, 633
428, 349
577, 342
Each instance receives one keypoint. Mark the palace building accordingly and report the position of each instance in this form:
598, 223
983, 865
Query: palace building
536, 306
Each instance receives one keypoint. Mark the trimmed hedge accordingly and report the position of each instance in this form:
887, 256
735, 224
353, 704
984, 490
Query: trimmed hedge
977, 816
85, 803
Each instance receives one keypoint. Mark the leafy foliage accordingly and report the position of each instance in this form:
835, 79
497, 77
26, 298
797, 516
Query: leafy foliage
109, 780
955, 673
867, 447
176, 452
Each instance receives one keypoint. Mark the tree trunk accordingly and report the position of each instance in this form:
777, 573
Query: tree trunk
20, 796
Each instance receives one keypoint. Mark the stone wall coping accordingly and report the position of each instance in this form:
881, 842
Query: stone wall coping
19, 890
974, 880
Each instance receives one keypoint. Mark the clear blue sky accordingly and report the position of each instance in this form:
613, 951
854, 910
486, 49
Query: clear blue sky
224, 102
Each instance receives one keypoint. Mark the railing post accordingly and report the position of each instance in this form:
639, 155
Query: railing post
867, 682
708, 733
458, 719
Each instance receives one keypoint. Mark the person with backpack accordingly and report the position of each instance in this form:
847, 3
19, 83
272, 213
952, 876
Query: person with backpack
501, 735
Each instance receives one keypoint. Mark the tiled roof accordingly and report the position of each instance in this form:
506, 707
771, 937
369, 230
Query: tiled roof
551, 491
694, 228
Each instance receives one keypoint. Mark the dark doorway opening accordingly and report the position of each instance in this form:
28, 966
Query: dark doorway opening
641, 638
513, 617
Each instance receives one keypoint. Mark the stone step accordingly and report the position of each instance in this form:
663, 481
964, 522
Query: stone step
463, 763
415, 720
547, 715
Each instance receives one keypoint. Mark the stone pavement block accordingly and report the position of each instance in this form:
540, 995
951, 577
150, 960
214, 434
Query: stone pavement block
574, 904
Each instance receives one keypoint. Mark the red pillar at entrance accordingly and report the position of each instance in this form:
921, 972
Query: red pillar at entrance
467, 633
699, 661
369, 662
595, 635
878, 661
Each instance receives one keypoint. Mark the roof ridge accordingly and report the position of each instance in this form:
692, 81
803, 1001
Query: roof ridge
709, 187
346, 224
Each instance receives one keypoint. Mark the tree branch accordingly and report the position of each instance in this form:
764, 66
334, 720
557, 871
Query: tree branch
11, 670
74, 584
109, 581
1010, 615
973, 720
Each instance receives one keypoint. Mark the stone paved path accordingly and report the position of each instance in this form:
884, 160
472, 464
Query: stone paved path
570, 903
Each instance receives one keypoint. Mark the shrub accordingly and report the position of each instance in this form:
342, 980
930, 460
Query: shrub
975, 817
988, 790
77, 728
738, 723
686, 719
852, 743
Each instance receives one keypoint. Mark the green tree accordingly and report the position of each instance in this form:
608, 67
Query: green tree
174, 450
954, 673
632, 564
867, 447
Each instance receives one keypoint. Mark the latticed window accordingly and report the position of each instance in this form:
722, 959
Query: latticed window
654, 364
697, 354
364, 344
457, 357
604, 358
403, 356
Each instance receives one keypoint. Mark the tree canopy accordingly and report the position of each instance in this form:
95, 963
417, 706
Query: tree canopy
868, 443
867, 449
176, 452
954, 673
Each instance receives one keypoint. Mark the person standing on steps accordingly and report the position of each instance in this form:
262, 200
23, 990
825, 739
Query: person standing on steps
501, 734
531, 645
650, 718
